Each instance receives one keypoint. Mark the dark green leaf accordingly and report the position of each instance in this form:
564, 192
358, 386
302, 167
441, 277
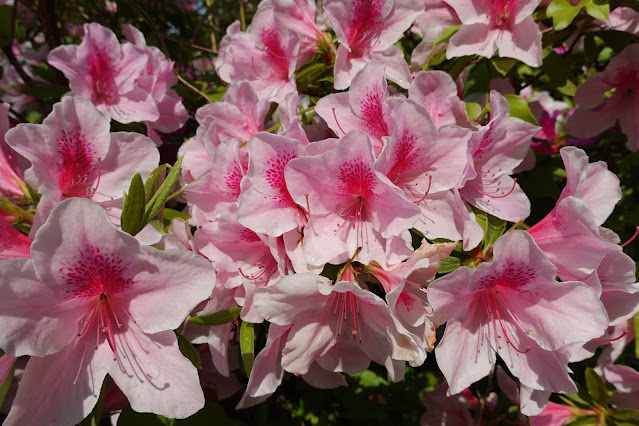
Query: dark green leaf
574, 400
154, 205
627, 414
504, 65
218, 318
132, 218
45, 91
189, 351
6, 17
247, 346
519, 108
596, 387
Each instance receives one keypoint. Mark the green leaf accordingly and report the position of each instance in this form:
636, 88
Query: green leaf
170, 214
562, 13
5, 386
627, 414
448, 265
596, 387
370, 379
154, 181
132, 219
481, 218
504, 65
154, 205
247, 346
218, 318
311, 73
473, 110
34, 116
575, 400
189, 351
216, 94
6, 17
495, 228
448, 32
598, 9
519, 108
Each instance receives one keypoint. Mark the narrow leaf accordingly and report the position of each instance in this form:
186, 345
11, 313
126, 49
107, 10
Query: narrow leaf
247, 346
218, 318
154, 181
189, 351
154, 205
519, 108
132, 218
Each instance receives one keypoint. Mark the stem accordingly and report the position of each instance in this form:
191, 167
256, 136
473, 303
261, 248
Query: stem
242, 17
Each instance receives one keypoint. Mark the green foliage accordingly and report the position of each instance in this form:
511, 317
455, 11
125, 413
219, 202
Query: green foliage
189, 351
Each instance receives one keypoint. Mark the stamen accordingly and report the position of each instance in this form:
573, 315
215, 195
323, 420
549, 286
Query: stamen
99, 175
503, 329
335, 116
495, 196
84, 351
631, 238
430, 181
614, 339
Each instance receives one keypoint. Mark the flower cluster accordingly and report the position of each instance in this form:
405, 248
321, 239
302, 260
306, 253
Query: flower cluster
336, 207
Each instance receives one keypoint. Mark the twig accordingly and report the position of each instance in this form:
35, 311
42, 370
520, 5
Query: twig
192, 87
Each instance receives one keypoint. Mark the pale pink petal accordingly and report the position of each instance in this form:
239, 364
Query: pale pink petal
61, 389
322, 379
396, 68
437, 92
473, 39
36, 318
523, 43
155, 376
13, 243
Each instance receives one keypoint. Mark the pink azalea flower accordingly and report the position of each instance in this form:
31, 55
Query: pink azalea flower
73, 155
300, 16
100, 291
342, 326
405, 287
352, 207
437, 92
553, 415
425, 162
488, 26
265, 55
365, 106
157, 79
497, 149
513, 307
623, 19
104, 72
218, 189
570, 237
265, 205
597, 113
367, 31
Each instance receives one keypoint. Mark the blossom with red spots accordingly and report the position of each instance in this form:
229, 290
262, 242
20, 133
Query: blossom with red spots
86, 305
105, 72
513, 307
492, 25
353, 208
367, 31
73, 154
